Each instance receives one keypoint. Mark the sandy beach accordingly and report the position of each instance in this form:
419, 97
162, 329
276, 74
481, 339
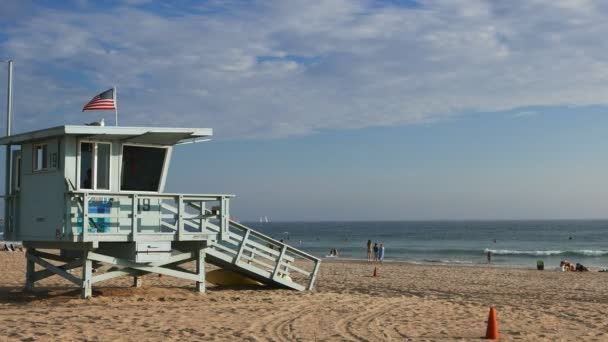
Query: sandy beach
405, 302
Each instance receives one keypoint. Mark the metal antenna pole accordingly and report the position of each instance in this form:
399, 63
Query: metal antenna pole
9, 126
115, 107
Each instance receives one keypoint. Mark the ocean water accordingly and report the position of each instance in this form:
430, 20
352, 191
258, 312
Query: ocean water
512, 243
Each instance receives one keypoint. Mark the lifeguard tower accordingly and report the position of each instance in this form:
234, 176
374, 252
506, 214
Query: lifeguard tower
95, 195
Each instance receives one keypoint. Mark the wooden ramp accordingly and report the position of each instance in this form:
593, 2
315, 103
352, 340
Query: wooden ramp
262, 258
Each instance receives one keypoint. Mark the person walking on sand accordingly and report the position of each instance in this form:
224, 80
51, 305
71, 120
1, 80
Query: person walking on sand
375, 251
381, 253
369, 250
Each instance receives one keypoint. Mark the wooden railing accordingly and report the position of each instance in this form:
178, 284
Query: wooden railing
266, 257
107, 216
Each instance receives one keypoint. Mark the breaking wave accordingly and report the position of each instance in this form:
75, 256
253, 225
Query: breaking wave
579, 252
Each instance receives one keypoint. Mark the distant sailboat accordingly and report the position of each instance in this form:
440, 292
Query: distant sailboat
265, 219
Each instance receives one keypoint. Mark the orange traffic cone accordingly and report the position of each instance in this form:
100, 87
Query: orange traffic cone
375, 271
492, 331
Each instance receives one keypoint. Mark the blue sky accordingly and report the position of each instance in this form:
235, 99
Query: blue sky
329, 110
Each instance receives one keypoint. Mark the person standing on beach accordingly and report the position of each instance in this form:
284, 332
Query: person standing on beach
369, 250
489, 257
381, 253
375, 251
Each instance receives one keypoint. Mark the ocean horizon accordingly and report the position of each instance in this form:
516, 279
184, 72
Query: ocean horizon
518, 243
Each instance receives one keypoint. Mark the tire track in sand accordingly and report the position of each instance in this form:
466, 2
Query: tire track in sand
279, 326
284, 329
368, 321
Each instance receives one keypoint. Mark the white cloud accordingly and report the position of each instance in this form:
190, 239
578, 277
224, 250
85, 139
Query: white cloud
372, 65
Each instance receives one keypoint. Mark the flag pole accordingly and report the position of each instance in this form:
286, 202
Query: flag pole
8, 225
115, 107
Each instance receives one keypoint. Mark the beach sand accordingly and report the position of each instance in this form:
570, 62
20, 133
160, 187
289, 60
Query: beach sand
405, 302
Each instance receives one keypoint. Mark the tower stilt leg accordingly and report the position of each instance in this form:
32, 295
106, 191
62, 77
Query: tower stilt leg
137, 281
200, 270
87, 274
29, 272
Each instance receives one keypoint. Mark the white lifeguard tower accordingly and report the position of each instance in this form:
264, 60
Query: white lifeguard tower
95, 194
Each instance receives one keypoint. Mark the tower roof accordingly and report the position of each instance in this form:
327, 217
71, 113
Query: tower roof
143, 135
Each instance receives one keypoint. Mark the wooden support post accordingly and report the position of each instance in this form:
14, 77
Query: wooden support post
313, 275
242, 246
180, 217
87, 275
85, 217
277, 267
224, 218
200, 270
137, 281
29, 272
134, 218
203, 219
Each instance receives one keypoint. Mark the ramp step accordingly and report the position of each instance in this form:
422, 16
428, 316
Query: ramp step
262, 258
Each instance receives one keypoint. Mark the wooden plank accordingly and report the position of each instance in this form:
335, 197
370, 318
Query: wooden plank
264, 248
190, 197
56, 245
257, 261
220, 255
168, 207
166, 225
195, 225
182, 257
51, 256
114, 274
43, 274
297, 269
254, 252
289, 283
256, 270
110, 216
224, 249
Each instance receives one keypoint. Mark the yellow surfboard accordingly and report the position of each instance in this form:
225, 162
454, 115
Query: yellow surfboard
229, 278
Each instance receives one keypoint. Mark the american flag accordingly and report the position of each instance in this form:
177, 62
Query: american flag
103, 101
